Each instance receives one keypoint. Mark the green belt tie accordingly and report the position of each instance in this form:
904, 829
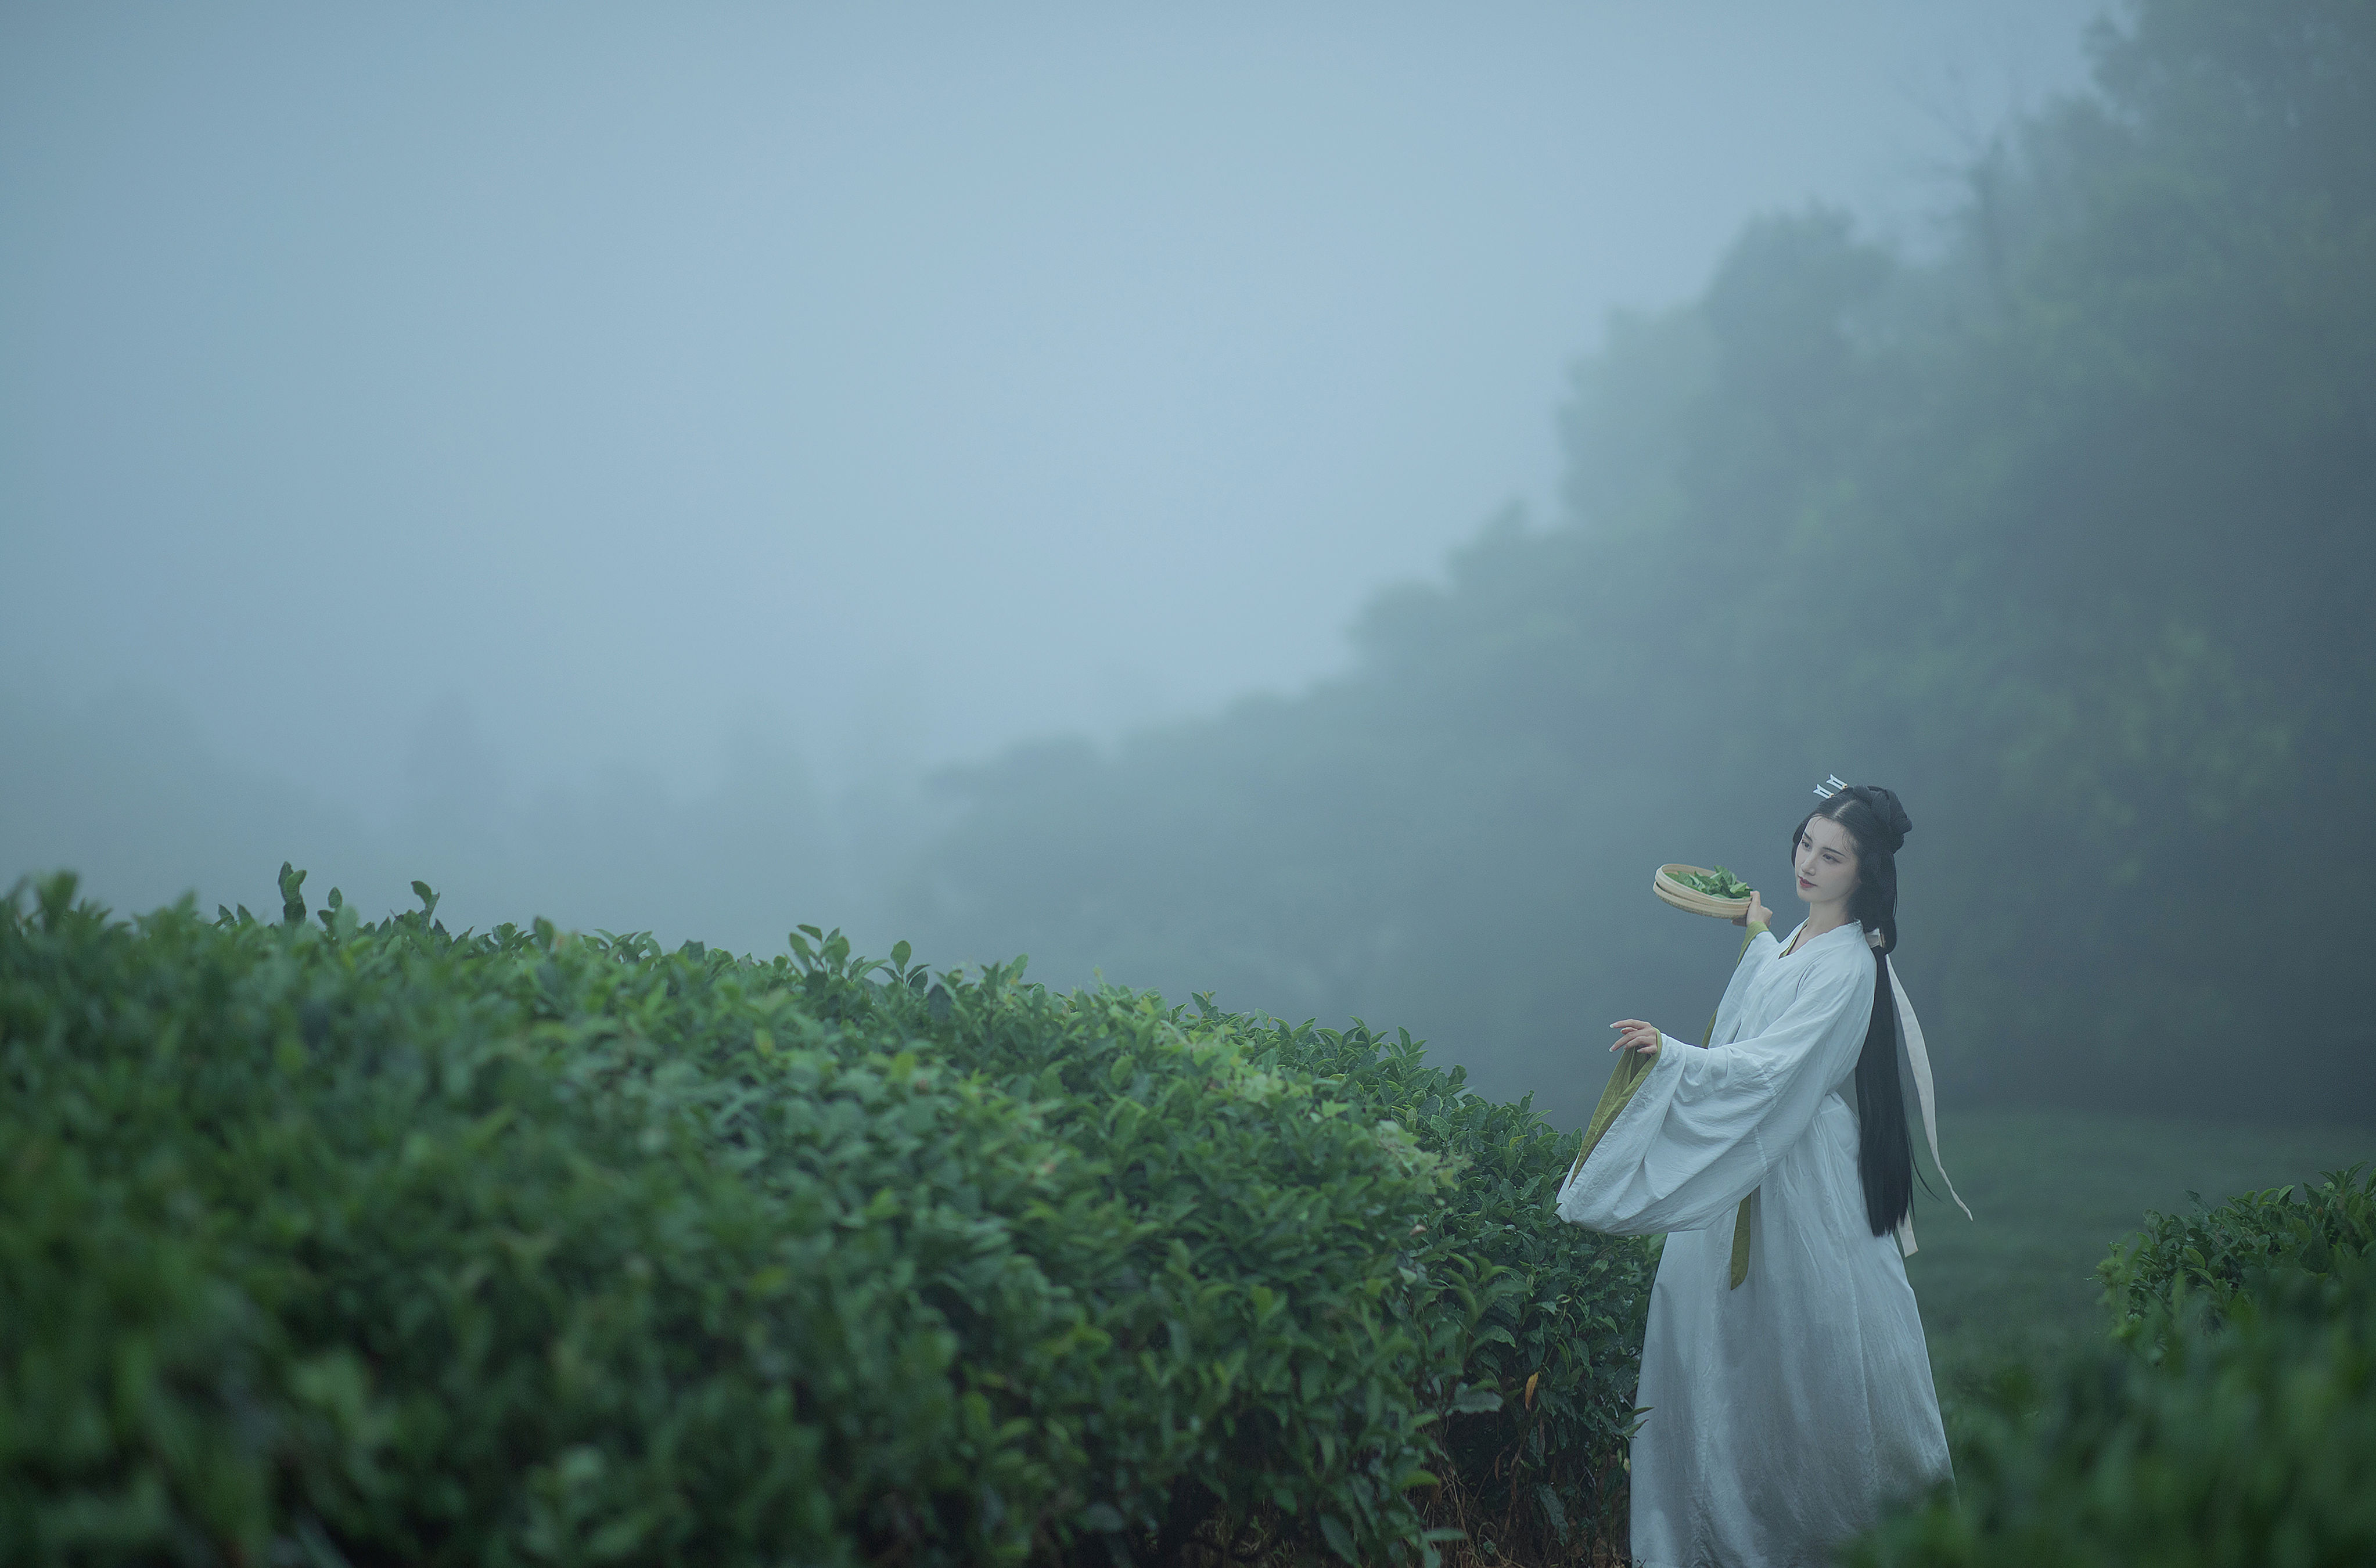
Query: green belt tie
1740, 1215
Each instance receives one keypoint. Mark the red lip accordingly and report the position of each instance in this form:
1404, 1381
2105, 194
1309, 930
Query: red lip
1804, 883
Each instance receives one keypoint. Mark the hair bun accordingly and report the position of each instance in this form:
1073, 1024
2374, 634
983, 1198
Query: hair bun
1895, 825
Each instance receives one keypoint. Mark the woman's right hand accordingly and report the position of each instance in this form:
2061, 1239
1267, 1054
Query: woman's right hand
1757, 913
1632, 1034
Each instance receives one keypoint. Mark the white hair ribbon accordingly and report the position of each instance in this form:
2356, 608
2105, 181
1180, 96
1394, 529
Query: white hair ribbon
1918, 1060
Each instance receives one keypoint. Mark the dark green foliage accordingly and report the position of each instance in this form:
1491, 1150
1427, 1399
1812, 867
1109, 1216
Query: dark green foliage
2205, 1260
325, 1240
1544, 1322
2246, 1439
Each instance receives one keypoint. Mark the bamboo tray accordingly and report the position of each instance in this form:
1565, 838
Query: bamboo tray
1695, 902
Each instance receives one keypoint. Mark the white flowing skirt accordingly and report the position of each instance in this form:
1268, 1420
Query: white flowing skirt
1786, 1414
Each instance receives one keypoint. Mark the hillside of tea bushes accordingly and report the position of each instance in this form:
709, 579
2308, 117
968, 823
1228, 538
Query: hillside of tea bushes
324, 1241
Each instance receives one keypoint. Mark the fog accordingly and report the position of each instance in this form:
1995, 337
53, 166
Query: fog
413, 415
1304, 504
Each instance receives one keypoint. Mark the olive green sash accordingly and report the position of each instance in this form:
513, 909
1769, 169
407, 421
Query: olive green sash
1740, 1217
1631, 1068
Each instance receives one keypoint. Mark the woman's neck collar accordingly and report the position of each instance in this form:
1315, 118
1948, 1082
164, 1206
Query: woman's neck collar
1824, 922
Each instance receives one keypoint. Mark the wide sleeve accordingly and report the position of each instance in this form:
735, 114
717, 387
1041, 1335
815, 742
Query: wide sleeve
1632, 1067
1701, 1128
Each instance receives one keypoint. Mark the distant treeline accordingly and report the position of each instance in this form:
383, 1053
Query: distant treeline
2065, 532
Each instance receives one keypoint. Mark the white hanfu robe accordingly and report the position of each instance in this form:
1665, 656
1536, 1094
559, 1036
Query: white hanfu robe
1784, 1414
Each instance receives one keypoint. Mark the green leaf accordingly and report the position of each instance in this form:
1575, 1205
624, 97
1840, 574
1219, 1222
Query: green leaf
1474, 1401
292, 900
1552, 1509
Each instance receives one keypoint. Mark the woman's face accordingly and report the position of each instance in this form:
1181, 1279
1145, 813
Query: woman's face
1826, 861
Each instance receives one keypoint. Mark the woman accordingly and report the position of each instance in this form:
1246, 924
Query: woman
1786, 1385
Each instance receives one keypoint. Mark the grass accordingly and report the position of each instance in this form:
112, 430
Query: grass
2050, 1191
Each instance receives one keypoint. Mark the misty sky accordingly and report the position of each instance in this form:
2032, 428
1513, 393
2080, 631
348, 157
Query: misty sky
895, 381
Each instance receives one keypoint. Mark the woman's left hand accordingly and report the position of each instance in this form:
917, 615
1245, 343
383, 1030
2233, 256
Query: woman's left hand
1632, 1034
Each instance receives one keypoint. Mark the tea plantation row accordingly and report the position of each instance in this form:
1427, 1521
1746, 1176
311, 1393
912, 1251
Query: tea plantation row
324, 1241
331, 1242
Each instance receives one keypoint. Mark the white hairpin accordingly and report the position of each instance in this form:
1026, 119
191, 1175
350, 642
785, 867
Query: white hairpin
1835, 784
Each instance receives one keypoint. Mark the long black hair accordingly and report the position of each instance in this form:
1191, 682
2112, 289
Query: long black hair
1878, 824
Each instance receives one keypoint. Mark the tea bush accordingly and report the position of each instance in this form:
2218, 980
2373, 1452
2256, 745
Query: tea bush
323, 1241
1547, 1316
2229, 1423
2250, 1443
2216, 1253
